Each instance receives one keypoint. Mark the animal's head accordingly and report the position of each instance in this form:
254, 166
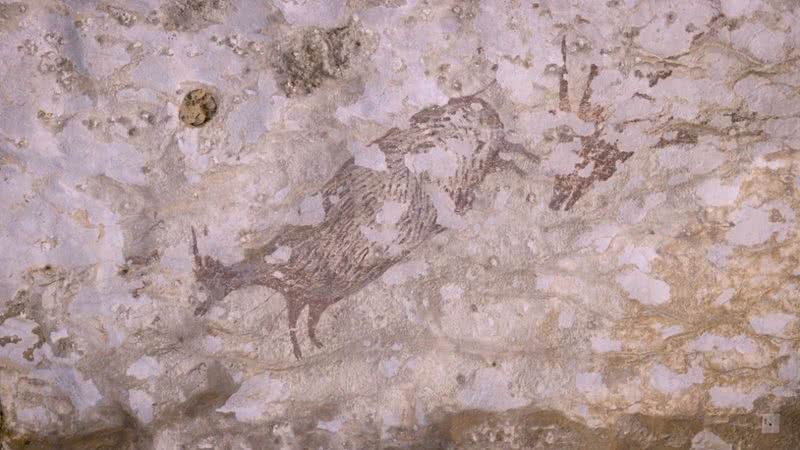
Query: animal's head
470, 119
491, 130
214, 278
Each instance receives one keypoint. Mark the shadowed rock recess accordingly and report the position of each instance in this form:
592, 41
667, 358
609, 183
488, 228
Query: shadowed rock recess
400, 224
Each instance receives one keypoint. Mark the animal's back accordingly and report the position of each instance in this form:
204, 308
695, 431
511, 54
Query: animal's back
373, 219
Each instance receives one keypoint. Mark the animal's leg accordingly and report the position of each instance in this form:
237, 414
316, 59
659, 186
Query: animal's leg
294, 312
202, 308
519, 149
315, 311
500, 165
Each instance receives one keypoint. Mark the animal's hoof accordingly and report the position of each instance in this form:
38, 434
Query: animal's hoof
317, 343
295, 345
201, 310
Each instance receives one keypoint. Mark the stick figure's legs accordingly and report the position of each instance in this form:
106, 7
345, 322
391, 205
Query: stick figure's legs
294, 312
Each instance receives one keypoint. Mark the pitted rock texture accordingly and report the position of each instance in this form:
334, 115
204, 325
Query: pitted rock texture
314, 55
197, 108
494, 224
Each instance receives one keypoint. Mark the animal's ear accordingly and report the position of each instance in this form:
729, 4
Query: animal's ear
198, 261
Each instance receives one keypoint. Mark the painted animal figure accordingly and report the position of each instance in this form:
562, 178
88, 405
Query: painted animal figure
374, 217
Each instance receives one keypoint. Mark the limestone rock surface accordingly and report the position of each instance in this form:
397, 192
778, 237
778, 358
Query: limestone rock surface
481, 224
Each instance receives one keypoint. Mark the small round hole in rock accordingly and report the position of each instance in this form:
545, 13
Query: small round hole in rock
197, 108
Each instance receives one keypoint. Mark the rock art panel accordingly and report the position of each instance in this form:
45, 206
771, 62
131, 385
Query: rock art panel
399, 224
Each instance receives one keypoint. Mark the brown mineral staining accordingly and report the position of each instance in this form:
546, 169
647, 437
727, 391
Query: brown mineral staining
119, 430
10, 15
5, 340
533, 428
198, 107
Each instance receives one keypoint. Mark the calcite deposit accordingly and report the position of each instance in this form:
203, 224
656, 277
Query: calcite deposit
400, 224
